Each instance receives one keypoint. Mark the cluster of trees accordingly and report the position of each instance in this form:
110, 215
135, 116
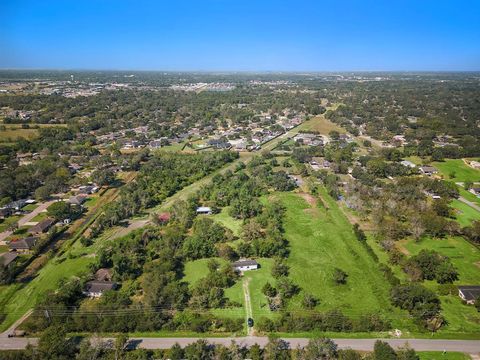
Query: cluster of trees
430, 265
422, 303
54, 344
333, 320
160, 177
419, 109
401, 209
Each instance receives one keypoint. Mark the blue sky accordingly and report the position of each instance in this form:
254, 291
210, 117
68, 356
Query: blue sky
245, 35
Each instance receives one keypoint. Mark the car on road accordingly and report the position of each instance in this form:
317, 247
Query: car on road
250, 322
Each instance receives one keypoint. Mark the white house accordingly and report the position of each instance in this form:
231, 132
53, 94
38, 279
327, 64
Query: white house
204, 210
245, 265
408, 163
469, 293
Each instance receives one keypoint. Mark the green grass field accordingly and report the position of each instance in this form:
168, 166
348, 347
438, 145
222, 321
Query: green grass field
226, 220
437, 355
464, 213
321, 239
462, 171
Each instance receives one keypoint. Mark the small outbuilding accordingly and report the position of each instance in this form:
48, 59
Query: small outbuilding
469, 293
96, 289
245, 265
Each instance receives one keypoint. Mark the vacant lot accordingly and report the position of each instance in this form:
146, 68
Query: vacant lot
322, 125
321, 239
457, 167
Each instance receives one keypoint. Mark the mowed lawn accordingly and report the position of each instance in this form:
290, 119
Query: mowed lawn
464, 213
466, 258
321, 239
462, 171
437, 355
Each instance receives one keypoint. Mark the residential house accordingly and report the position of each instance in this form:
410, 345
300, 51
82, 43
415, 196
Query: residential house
408, 164
95, 289
41, 227
24, 245
88, 189
204, 210
77, 200
428, 170
8, 258
469, 293
245, 265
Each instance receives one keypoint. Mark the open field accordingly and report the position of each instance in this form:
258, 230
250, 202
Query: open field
322, 125
465, 214
462, 171
321, 239
14, 132
226, 220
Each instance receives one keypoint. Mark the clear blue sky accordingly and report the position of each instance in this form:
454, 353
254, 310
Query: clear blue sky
242, 35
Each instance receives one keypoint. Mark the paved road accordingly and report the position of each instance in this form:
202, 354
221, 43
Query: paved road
466, 346
469, 203
26, 218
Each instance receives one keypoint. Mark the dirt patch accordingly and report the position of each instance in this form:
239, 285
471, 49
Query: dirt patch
402, 249
477, 264
310, 199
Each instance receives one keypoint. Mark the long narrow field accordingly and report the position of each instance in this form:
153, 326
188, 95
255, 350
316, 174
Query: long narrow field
321, 239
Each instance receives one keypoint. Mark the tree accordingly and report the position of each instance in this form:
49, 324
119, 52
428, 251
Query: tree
309, 301
276, 349
103, 177
59, 210
121, 342
339, 276
53, 344
383, 351
175, 352
320, 349
279, 268
269, 290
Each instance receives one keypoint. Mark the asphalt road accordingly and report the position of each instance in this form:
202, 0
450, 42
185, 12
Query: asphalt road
466, 346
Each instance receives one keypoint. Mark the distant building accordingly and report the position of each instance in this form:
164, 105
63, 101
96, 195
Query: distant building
245, 265
204, 210
96, 289
469, 293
